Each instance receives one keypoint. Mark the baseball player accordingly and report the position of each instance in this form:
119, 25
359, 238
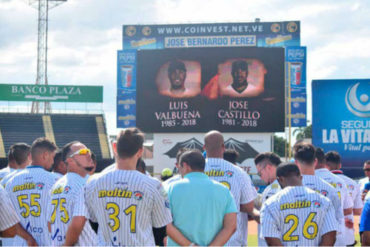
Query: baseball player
8, 217
297, 215
333, 162
18, 155
29, 191
339, 185
67, 211
124, 202
21, 155
304, 155
235, 179
266, 164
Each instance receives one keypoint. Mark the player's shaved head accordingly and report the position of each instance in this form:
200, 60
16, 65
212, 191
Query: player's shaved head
214, 144
288, 174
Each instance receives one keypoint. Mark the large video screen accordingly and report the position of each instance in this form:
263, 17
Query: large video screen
200, 89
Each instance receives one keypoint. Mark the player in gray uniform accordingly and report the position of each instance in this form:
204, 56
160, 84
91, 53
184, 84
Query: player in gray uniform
297, 215
29, 191
234, 178
67, 211
304, 155
266, 164
124, 202
333, 162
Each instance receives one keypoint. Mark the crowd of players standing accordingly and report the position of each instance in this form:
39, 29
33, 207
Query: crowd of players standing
306, 203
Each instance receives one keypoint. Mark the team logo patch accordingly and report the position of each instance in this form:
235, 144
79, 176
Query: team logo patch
324, 192
138, 195
351, 187
67, 189
275, 186
39, 186
316, 204
229, 174
339, 185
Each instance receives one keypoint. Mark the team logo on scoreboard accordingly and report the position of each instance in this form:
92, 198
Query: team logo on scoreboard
130, 31
292, 27
39, 186
146, 31
360, 106
275, 27
138, 195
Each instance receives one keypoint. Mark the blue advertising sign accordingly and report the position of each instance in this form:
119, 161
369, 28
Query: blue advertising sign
126, 108
266, 34
341, 119
295, 75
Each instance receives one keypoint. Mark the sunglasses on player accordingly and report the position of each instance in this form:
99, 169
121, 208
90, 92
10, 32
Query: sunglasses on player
83, 151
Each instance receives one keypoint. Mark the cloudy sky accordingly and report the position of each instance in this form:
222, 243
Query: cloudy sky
84, 36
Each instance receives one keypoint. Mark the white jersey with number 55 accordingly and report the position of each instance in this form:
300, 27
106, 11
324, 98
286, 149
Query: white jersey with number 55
29, 192
127, 204
298, 216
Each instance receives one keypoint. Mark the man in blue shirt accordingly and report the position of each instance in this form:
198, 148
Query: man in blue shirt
365, 224
203, 210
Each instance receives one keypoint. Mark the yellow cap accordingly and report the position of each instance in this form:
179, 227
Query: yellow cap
166, 172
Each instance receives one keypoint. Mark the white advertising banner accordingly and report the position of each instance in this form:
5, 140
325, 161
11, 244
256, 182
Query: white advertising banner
165, 147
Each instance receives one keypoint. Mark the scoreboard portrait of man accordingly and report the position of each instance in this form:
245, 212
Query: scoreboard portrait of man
179, 79
237, 77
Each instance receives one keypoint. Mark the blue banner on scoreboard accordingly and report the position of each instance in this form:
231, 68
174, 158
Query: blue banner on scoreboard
295, 75
264, 34
341, 118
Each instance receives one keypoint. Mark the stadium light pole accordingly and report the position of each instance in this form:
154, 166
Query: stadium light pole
43, 7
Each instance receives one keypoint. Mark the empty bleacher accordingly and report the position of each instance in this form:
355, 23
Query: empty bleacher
60, 128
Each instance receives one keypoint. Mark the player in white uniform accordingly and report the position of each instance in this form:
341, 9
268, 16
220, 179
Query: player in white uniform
8, 216
13, 165
304, 155
21, 157
321, 170
333, 162
67, 211
234, 178
59, 167
297, 215
126, 203
29, 191
266, 164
